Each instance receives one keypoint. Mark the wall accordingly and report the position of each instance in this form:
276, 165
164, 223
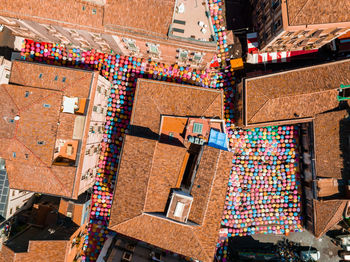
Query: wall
270, 20
103, 41
267, 20
5, 70
17, 198
95, 135
76, 244
304, 39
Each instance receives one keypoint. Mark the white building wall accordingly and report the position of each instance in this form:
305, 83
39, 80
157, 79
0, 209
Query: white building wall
17, 198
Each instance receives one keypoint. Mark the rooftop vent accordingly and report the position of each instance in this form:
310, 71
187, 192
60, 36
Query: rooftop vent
180, 206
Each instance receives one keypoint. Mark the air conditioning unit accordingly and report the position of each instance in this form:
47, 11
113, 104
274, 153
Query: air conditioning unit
69, 214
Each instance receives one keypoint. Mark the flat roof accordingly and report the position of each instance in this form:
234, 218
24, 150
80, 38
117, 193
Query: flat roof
193, 21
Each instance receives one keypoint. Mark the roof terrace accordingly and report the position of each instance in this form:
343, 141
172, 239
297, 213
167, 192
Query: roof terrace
191, 20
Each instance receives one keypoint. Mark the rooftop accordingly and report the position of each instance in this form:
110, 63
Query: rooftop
327, 214
331, 135
150, 170
32, 123
309, 12
288, 96
143, 17
39, 222
192, 20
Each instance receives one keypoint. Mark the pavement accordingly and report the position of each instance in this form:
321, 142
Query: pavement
328, 250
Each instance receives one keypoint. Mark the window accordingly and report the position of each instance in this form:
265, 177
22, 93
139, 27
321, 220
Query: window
99, 89
26, 155
197, 128
14, 154
40, 76
153, 49
11, 211
94, 109
130, 44
183, 55
275, 4
84, 8
13, 193
26, 94
277, 24
94, 11
64, 79
7, 76
197, 57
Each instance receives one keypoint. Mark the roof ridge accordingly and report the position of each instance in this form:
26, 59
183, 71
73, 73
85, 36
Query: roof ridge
50, 94
281, 97
13, 101
300, 10
125, 221
333, 217
262, 106
219, 94
211, 185
200, 243
149, 177
51, 171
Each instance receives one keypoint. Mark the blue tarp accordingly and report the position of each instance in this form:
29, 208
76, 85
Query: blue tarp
217, 140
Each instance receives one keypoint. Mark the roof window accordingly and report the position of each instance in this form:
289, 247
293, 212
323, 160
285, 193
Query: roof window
40, 76
56, 78
41, 142
64, 79
197, 128
46, 105
26, 94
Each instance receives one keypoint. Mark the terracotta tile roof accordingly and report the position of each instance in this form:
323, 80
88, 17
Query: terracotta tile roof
154, 98
149, 170
327, 214
166, 167
67, 11
142, 185
28, 144
331, 133
142, 16
308, 12
288, 95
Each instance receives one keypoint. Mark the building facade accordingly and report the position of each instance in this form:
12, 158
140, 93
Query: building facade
179, 32
292, 25
52, 128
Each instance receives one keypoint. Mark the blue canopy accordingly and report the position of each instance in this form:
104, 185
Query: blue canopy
217, 140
